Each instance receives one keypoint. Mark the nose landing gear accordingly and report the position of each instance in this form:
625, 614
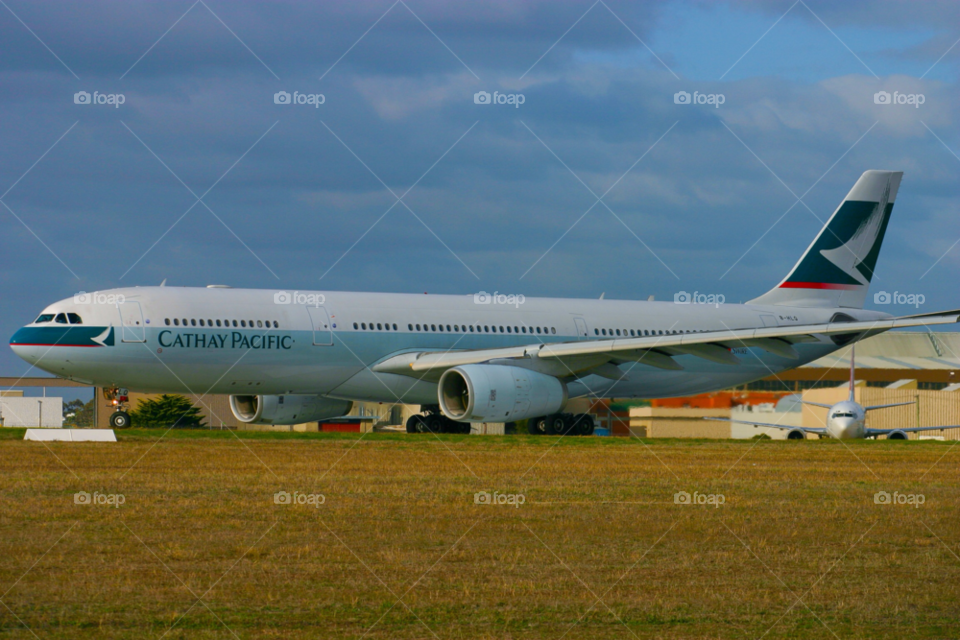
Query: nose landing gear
117, 398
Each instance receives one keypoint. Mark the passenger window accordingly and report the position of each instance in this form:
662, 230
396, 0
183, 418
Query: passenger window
201, 322
218, 323
553, 329
243, 323
176, 322
618, 331
394, 326
259, 323
516, 329
379, 327
363, 325
193, 322
166, 321
418, 327
448, 327
433, 327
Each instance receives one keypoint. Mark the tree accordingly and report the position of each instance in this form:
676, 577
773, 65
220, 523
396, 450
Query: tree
169, 410
77, 413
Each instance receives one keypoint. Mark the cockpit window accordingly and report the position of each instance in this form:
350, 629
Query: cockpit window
842, 414
61, 318
44, 317
74, 318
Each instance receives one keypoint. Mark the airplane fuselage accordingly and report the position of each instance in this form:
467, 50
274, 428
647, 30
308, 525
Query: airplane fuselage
242, 341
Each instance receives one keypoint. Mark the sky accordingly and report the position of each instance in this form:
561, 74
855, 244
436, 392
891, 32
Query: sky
393, 174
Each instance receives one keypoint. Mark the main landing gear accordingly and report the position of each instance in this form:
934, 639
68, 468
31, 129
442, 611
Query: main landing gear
562, 424
433, 421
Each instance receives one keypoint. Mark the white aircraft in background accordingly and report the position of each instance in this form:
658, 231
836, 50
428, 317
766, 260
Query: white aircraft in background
289, 358
846, 420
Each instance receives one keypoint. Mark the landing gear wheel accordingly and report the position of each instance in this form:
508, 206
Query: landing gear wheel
558, 425
537, 426
583, 424
413, 425
120, 420
434, 424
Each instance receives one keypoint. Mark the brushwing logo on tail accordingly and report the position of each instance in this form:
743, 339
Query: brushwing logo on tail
844, 255
849, 256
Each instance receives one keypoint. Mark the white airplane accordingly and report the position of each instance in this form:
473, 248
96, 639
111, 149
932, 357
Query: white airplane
287, 358
846, 420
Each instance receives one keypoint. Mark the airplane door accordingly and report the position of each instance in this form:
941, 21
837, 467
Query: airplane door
581, 328
131, 321
769, 321
322, 333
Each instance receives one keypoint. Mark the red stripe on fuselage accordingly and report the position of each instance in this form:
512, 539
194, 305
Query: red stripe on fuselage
817, 285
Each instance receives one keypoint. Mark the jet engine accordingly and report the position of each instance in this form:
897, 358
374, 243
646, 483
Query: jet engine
286, 409
796, 434
498, 393
897, 435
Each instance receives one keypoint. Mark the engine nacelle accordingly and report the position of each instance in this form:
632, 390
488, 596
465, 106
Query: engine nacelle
286, 409
498, 393
897, 435
796, 434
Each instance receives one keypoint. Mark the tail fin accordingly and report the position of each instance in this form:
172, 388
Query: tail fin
836, 269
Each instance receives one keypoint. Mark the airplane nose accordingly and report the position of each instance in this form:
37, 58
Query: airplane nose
20, 344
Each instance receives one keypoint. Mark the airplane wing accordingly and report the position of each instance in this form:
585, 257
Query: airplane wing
886, 406
882, 432
584, 357
818, 430
817, 404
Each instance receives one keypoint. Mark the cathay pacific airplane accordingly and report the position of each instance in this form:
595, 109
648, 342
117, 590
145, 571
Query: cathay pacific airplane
294, 357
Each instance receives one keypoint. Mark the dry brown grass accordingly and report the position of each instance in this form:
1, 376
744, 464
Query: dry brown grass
400, 550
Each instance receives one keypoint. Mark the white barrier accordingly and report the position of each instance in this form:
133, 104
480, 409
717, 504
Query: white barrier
71, 435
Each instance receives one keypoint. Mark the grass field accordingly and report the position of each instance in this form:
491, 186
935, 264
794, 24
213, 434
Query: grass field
399, 549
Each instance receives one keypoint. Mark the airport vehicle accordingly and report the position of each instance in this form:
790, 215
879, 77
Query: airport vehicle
293, 357
846, 419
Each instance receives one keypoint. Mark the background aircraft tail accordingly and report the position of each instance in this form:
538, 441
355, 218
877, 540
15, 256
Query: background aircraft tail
836, 269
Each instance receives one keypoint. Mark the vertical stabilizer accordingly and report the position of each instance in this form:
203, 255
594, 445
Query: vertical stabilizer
836, 270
